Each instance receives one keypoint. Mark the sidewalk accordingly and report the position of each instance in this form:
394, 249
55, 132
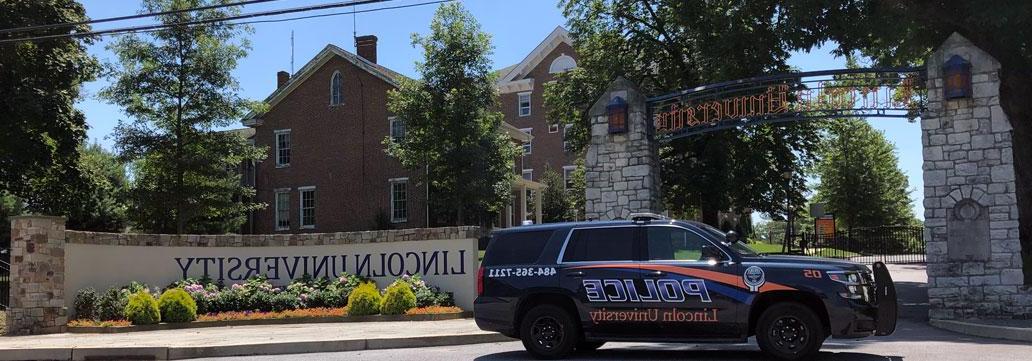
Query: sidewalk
245, 340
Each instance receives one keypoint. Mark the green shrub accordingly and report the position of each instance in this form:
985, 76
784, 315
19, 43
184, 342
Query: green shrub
226, 300
177, 306
284, 301
142, 309
364, 300
427, 295
398, 299
111, 305
86, 304
260, 301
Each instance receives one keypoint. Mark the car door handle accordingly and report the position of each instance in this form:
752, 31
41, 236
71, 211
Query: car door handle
655, 273
575, 274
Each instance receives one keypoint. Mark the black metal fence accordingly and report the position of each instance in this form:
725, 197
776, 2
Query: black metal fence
888, 244
5, 284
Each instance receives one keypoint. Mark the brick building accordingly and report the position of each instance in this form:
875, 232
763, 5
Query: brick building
327, 171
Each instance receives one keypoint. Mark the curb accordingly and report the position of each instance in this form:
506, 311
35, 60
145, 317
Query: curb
176, 352
983, 330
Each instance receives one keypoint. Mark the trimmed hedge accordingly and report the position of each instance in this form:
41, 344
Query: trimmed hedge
398, 299
177, 306
364, 300
142, 309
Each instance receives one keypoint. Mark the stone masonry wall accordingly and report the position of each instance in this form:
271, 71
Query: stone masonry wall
971, 216
622, 170
37, 301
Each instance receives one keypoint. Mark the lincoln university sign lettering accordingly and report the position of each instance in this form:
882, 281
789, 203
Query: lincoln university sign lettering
895, 93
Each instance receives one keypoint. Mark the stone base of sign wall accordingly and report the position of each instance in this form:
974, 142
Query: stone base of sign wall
37, 302
39, 288
971, 216
621, 170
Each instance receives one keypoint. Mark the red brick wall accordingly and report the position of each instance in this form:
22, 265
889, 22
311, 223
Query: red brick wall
547, 147
337, 149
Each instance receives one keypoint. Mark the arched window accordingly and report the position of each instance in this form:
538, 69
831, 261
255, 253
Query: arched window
562, 63
336, 84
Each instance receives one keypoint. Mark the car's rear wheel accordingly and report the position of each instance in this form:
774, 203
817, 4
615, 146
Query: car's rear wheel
549, 332
790, 331
587, 346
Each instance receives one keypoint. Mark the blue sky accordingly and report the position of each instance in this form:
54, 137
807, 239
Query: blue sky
515, 30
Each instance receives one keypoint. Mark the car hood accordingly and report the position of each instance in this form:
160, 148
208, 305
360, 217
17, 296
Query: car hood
808, 261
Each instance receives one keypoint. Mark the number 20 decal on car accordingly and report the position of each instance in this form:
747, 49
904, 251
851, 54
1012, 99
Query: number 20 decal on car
812, 273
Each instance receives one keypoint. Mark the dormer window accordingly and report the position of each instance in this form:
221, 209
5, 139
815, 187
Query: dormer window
336, 87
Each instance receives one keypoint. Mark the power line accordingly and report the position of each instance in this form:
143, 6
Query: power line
128, 17
205, 21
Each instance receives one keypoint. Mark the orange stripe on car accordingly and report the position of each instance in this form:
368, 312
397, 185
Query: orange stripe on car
721, 277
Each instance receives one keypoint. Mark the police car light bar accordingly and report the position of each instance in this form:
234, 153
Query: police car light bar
645, 217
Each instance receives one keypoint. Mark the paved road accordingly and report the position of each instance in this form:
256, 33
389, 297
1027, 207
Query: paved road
913, 340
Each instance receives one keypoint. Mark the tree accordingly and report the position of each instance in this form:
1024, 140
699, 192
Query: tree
906, 32
94, 201
176, 85
452, 128
669, 45
555, 201
861, 182
9, 207
40, 82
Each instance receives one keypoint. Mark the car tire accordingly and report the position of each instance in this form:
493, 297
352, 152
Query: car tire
549, 332
587, 346
790, 331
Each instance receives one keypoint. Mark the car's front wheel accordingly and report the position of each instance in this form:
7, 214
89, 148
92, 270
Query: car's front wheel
790, 331
549, 332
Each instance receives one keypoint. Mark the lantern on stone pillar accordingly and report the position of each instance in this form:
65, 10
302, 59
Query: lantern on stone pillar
616, 110
956, 75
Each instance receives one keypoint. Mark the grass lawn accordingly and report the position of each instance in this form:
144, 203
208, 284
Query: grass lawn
765, 247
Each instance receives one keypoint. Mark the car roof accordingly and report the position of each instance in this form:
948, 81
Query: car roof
568, 225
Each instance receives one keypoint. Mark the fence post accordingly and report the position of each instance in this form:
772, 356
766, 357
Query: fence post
37, 299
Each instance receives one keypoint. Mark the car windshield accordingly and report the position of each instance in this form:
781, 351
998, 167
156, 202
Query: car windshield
738, 247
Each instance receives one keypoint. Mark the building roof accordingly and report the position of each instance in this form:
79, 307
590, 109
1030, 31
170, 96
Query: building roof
390, 76
513, 73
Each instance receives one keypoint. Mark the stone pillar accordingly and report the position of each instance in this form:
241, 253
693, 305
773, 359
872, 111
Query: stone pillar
621, 170
971, 216
37, 299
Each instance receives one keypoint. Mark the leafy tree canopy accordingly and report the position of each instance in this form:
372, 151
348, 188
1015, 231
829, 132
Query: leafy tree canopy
860, 179
40, 82
176, 85
669, 45
452, 127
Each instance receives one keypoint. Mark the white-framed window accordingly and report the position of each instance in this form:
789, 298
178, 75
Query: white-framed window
336, 88
553, 128
561, 64
528, 174
397, 129
523, 104
282, 203
307, 207
282, 147
399, 200
528, 146
568, 176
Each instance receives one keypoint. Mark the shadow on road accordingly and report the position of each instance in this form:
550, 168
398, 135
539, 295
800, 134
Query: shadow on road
685, 354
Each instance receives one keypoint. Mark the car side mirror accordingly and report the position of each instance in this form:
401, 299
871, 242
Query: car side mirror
731, 237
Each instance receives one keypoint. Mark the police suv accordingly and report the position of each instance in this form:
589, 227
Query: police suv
573, 286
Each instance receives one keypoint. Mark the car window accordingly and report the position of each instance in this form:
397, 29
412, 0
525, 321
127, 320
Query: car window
516, 248
601, 244
670, 243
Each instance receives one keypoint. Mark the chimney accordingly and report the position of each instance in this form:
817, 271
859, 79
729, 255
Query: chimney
366, 46
282, 78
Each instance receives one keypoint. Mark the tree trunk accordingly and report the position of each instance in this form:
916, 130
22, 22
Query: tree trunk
710, 216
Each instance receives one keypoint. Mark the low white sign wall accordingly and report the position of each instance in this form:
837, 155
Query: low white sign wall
102, 261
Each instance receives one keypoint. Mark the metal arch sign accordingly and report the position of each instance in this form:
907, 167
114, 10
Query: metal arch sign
844, 93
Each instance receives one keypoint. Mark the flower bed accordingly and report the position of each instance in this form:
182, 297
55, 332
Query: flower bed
202, 303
